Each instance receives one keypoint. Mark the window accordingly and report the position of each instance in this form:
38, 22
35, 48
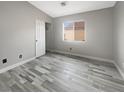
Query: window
74, 31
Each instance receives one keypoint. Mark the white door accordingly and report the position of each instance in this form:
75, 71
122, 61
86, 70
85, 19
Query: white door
40, 38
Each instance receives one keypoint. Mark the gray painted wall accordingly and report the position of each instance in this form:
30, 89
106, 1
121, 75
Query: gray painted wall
118, 36
17, 31
98, 34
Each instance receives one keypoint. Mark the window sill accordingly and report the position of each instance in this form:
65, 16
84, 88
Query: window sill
74, 41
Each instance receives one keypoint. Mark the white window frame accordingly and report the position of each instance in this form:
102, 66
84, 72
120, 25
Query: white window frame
73, 40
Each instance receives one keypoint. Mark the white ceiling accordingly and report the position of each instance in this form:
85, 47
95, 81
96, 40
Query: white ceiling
54, 9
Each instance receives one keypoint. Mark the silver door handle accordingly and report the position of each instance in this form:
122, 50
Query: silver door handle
36, 40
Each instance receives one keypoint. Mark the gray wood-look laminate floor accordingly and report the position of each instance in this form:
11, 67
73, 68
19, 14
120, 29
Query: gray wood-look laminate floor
56, 72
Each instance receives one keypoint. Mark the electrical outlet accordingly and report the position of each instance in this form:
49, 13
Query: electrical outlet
4, 60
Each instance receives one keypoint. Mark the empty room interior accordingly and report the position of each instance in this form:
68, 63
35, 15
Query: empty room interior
61, 46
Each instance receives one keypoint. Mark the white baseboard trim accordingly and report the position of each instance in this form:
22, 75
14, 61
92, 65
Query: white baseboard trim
90, 57
119, 69
15, 65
